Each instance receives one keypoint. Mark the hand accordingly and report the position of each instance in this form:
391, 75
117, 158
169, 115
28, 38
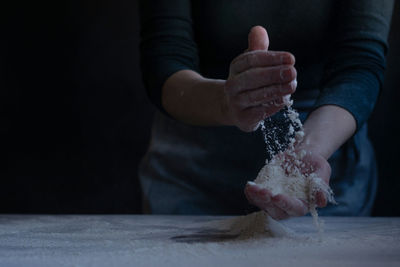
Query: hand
283, 206
311, 162
258, 82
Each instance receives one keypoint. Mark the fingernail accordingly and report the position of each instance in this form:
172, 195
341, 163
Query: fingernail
286, 73
286, 59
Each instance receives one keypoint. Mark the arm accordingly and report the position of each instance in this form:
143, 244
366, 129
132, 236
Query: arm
354, 76
189, 97
326, 129
169, 63
193, 99
258, 81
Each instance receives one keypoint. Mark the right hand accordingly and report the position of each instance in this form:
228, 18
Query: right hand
284, 206
258, 82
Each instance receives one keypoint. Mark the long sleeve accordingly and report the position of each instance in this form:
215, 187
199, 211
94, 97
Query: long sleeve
355, 70
167, 44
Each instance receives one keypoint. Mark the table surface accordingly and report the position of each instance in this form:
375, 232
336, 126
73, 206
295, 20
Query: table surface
150, 240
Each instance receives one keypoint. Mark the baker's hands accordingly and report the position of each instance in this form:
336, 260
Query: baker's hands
283, 206
279, 207
258, 82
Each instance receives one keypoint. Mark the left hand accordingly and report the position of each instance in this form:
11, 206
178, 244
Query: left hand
258, 82
283, 206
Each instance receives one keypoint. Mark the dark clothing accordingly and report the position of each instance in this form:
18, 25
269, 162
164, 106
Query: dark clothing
339, 48
203, 170
339, 45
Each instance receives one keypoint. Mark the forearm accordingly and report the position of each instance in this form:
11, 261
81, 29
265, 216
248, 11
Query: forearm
326, 129
189, 97
258, 83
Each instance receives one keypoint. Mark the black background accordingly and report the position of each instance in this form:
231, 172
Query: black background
76, 121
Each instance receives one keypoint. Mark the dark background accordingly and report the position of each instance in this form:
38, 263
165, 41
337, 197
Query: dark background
75, 119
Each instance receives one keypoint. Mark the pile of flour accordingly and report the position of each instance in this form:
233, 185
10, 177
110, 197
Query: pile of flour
258, 224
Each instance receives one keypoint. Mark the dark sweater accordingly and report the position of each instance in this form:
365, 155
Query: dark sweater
339, 46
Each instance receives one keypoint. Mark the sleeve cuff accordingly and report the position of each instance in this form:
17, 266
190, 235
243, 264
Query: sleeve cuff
352, 98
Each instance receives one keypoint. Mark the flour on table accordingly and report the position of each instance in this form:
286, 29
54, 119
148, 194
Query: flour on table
254, 225
258, 224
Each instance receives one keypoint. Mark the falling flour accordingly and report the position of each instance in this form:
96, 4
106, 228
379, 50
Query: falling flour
285, 177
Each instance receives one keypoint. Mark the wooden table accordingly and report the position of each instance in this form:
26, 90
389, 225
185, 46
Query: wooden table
139, 240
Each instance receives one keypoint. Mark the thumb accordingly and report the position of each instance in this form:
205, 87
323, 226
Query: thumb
258, 39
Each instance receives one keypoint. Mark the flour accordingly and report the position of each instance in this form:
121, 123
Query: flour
258, 224
287, 177
254, 225
151, 240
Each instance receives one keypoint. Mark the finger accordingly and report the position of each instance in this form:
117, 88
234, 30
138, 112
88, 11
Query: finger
257, 196
264, 95
251, 118
261, 197
254, 115
291, 205
261, 77
260, 58
277, 213
258, 38
321, 199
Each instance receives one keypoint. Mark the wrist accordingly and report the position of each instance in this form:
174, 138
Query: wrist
189, 97
310, 147
326, 129
219, 103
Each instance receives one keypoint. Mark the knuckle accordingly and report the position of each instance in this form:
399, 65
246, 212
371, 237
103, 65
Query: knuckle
237, 59
244, 76
249, 60
250, 98
236, 62
268, 93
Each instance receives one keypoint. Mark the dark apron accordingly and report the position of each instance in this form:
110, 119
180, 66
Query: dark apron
203, 170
